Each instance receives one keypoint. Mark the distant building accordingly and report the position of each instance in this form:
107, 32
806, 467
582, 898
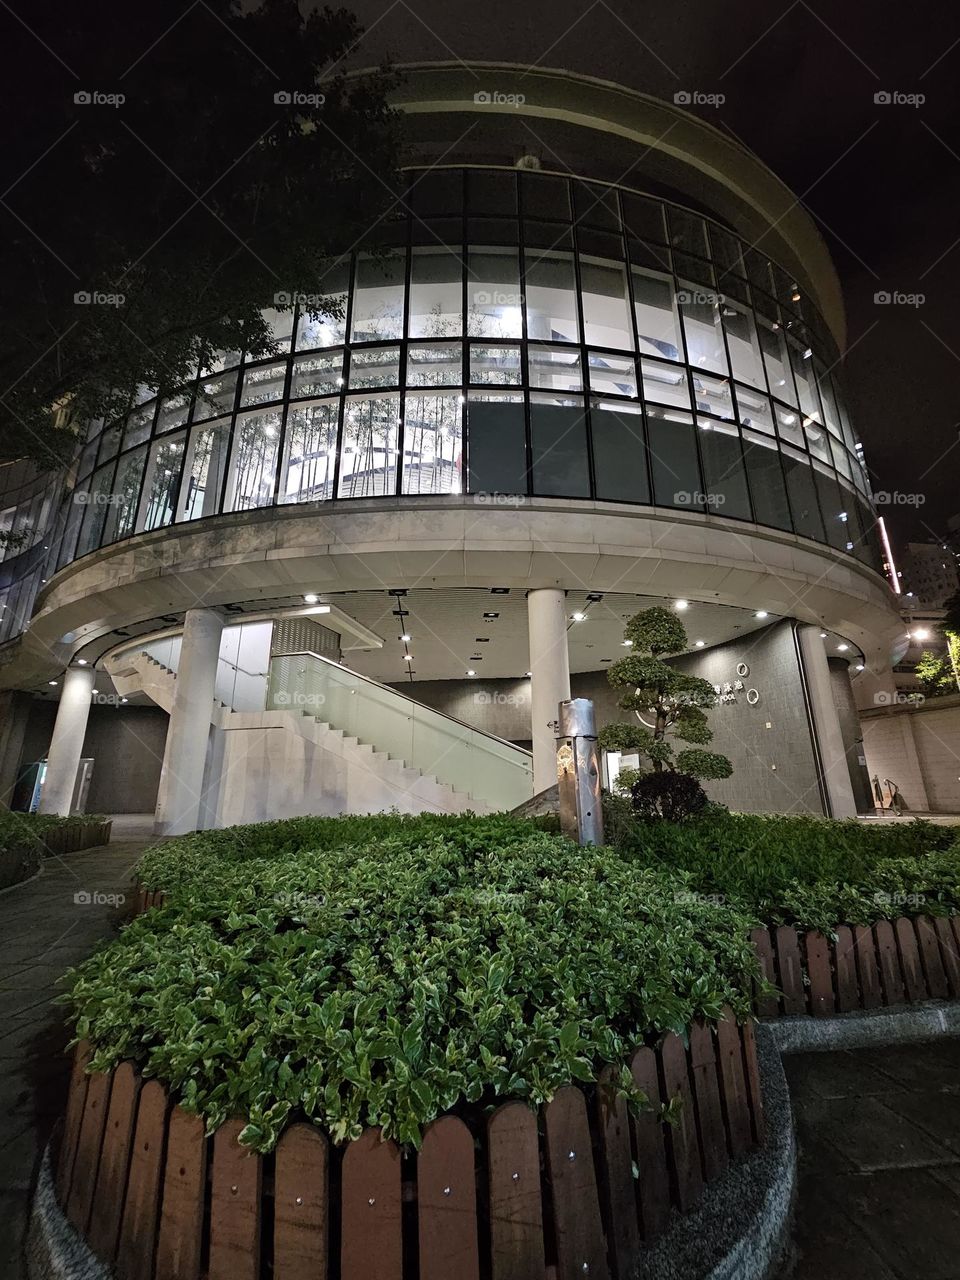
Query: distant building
930, 571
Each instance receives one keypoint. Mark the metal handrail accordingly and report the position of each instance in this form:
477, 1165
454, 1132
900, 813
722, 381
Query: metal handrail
308, 653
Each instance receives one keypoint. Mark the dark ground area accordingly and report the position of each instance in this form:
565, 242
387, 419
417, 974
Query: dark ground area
879, 1137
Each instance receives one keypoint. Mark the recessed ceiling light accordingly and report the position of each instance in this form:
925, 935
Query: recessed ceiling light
843, 647
408, 657
626, 643
761, 613
124, 699
310, 599
51, 682
859, 666
405, 638
490, 617
528, 674
471, 672
579, 617
701, 643
823, 635
681, 604
81, 662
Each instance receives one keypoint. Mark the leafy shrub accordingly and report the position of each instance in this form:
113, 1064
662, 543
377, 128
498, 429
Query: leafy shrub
435, 964
812, 872
669, 796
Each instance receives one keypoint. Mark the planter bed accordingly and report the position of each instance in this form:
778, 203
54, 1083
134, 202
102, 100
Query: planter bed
578, 1187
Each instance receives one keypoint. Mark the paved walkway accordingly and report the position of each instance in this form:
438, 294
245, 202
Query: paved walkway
879, 1135
45, 927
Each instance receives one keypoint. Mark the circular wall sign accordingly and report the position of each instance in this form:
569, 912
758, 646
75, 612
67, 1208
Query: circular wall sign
753, 697
742, 669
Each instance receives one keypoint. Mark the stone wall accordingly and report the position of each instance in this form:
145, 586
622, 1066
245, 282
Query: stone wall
918, 748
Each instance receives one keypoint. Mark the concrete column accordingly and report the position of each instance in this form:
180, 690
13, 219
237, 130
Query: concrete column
549, 678
184, 757
826, 724
66, 746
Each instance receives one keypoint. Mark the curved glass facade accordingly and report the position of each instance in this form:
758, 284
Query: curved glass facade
526, 334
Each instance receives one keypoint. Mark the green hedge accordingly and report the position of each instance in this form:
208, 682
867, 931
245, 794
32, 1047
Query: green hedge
431, 964
23, 841
800, 870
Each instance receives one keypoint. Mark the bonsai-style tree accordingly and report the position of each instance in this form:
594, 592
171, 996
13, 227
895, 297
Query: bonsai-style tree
669, 705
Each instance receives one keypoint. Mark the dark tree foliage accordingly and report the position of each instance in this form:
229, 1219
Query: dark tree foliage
172, 169
669, 795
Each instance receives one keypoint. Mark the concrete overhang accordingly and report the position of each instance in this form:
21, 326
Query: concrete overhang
450, 541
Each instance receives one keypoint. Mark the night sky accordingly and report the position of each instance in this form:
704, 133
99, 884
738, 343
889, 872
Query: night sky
882, 180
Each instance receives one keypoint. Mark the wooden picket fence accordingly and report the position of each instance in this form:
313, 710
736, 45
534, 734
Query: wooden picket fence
571, 1190
864, 967
74, 836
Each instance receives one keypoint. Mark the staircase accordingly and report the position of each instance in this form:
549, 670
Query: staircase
366, 749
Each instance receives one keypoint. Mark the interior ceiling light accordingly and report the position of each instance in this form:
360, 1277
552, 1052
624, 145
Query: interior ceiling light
579, 617
310, 598
408, 657
471, 672
761, 613
701, 643
406, 638
81, 662
843, 648
682, 604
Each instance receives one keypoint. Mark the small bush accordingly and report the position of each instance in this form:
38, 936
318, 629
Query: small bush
436, 965
668, 796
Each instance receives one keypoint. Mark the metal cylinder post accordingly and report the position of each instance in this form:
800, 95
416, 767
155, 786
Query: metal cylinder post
578, 772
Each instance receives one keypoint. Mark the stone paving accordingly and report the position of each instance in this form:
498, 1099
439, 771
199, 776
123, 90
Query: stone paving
879, 1137
46, 926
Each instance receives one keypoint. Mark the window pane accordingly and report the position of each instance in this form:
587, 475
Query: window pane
801, 359
788, 424
712, 395
435, 293
701, 324
434, 365
723, 470
368, 458
110, 442
173, 411
665, 383
139, 425
830, 411
263, 383
817, 440
832, 509
378, 367
330, 329
658, 325
493, 294
545, 196
803, 496
777, 361
606, 318
755, 410
126, 492
160, 485
497, 445
215, 396
551, 297
495, 365
743, 345
554, 368
559, 440
317, 375
643, 218
767, 486
619, 453
253, 464
309, 453
612, 375
687, 231
673, 460
204, 471
96, 501
432, 444
378, 299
